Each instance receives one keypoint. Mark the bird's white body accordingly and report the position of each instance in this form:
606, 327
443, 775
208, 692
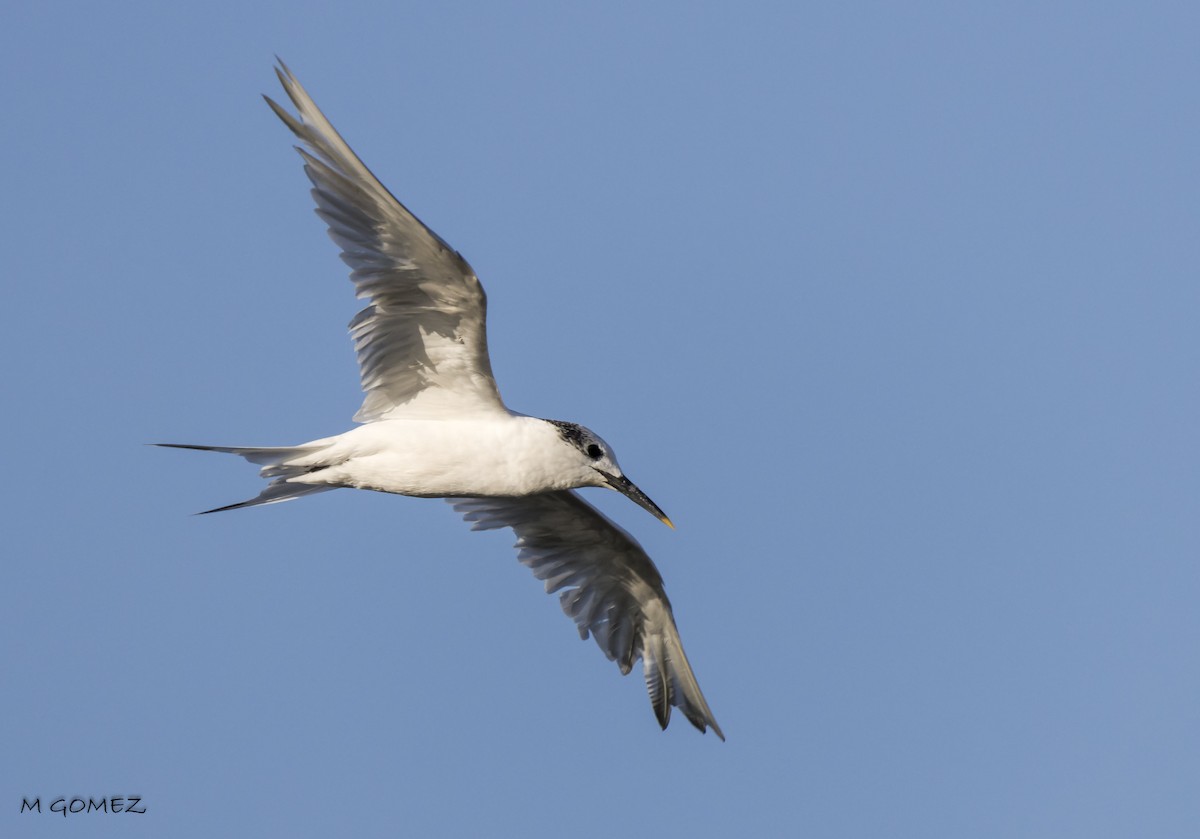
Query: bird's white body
496, 454
435, 426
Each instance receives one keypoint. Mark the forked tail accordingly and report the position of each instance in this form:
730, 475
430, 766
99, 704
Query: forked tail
282, 463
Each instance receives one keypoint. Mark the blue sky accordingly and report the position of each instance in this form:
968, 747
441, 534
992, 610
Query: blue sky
892, 308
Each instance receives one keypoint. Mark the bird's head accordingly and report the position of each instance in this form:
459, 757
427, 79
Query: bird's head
598, 466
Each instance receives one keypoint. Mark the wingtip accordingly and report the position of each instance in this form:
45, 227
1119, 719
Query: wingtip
292, 87
282, 70
278, 109
703, 725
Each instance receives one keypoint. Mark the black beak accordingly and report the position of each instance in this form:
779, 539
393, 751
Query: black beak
627, 488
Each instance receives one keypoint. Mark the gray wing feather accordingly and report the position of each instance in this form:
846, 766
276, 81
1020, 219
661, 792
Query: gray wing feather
423, 332
608, 586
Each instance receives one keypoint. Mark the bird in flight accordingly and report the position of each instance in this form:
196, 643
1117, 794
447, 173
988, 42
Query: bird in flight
432, 425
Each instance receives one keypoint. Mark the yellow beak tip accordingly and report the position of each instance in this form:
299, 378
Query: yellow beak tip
667, 522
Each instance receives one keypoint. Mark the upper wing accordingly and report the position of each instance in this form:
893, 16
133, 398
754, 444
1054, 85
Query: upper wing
423, 330
612, 590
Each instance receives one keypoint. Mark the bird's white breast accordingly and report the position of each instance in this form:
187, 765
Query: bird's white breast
488, 455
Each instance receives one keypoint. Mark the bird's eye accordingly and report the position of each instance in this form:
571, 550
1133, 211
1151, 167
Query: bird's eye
593, 451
